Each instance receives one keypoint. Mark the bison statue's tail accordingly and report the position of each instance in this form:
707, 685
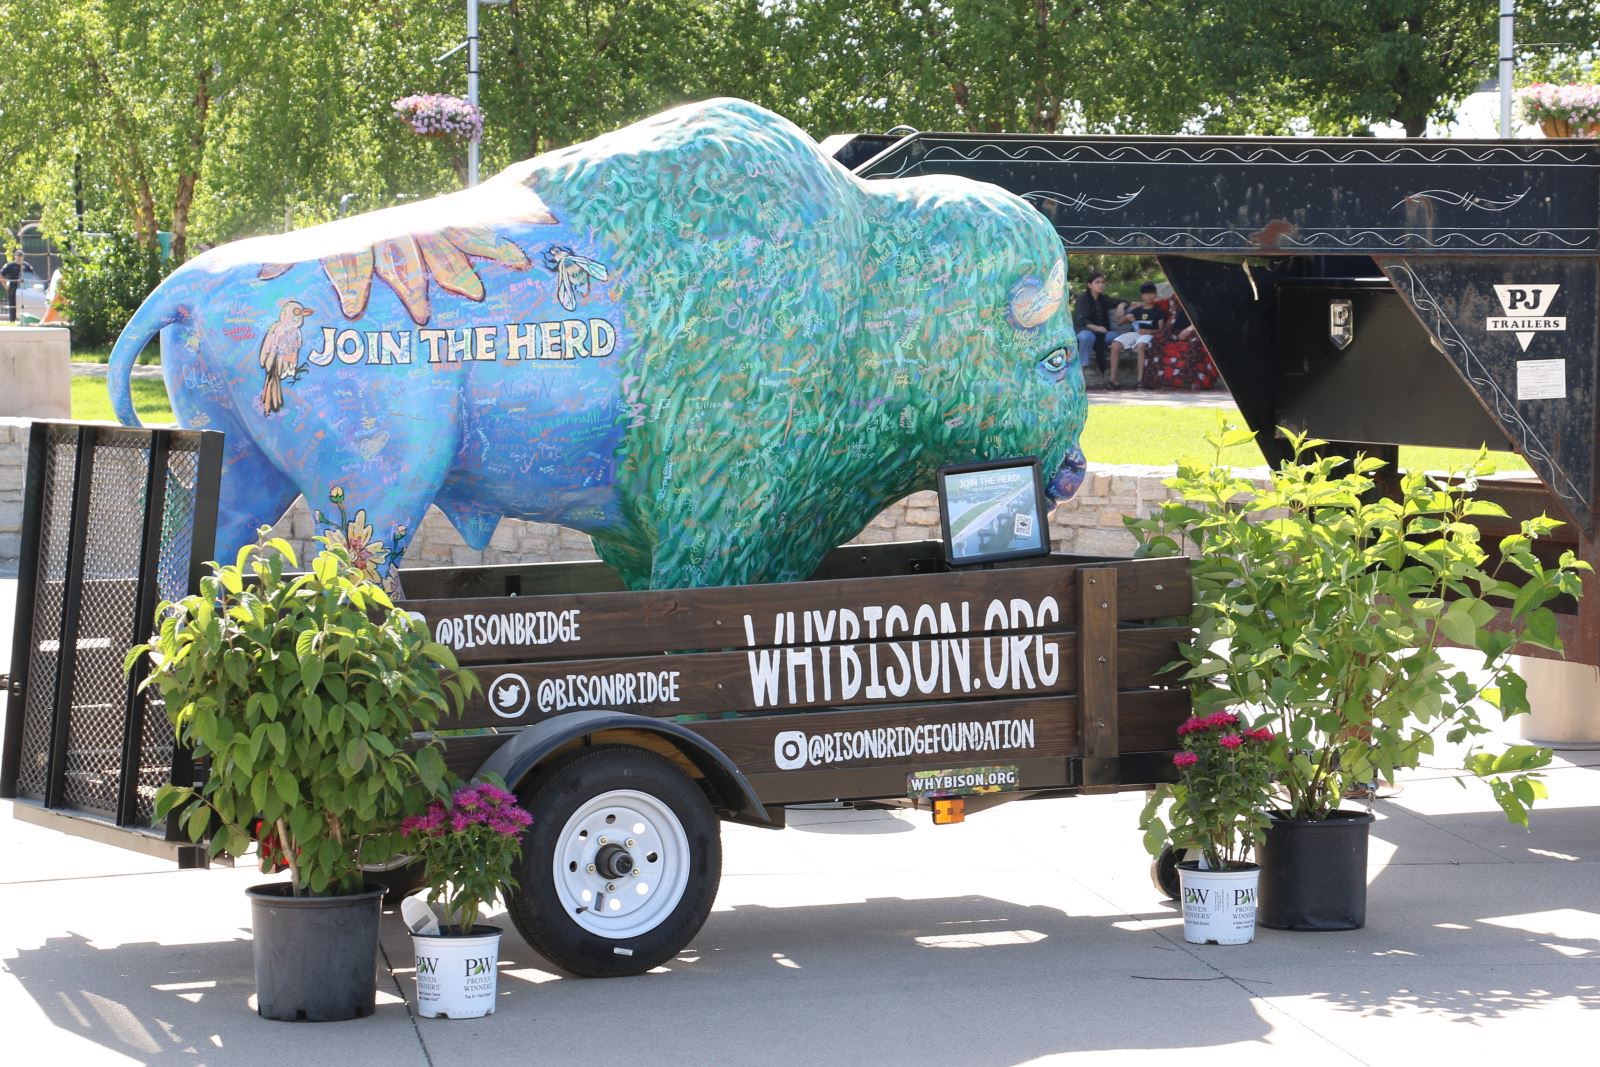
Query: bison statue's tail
159, 310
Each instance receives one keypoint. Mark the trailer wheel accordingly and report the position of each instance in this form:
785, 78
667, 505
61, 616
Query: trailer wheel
399, 877
620, 866
1164, 870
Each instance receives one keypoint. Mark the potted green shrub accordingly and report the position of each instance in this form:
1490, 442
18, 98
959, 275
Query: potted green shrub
299, 695
1319, 614
470, 845
1218, 810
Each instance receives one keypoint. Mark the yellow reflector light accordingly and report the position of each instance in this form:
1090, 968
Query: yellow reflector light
951, 810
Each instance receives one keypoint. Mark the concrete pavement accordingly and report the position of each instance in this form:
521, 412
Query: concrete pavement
1029, 934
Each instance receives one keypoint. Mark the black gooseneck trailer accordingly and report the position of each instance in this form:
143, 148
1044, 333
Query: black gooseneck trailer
1376, 293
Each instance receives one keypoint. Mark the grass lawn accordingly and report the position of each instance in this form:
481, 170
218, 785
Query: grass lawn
91, 402
1161, 436
151, 356
1154, 436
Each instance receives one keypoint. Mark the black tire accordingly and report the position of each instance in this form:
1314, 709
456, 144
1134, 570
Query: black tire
681, 847
1164, 871
399, 880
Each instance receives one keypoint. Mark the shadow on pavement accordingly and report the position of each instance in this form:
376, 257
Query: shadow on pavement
154, 1001
968, 980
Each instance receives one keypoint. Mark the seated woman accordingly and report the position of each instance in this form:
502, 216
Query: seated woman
1092, 319
1179, 359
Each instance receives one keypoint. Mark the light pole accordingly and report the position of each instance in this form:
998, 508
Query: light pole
472, 78
1508, 14
472, 86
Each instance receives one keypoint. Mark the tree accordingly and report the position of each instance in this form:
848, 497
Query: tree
1019, 66
131, 88
1343, 65
563, 71
221, 114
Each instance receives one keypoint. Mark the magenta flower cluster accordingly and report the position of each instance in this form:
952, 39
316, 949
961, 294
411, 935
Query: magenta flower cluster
1221, 720
438, 114
1577, 104
1220, 802
471, 805
470, 846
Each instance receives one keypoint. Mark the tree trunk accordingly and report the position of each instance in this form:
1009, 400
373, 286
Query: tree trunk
183, 199
136, 179
958, 90
1037, 114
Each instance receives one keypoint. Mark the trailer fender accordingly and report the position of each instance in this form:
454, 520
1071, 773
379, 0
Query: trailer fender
515, 760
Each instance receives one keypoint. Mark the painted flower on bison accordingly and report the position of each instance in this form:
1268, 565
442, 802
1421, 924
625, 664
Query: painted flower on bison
366, 555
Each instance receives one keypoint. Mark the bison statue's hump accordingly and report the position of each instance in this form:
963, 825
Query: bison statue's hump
697, 339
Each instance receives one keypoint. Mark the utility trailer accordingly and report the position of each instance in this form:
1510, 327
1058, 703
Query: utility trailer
630, 722
1375, 293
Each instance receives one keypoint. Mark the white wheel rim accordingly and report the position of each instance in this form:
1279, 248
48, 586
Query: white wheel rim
639, 899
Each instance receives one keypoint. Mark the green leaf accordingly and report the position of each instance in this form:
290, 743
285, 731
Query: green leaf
1457, 624
233, 663
355, 753
288, 789
1542, 629
1232, 438
310, 671
197, 821
1485, 507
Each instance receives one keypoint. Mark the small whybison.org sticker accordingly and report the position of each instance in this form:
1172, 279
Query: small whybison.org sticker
963, 781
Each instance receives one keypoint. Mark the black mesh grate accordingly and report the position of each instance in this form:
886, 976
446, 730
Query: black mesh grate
177, 521
172, 576
106, 624
38, 710
91, 559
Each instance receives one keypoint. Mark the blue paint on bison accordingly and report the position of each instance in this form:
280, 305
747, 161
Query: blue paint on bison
697, 339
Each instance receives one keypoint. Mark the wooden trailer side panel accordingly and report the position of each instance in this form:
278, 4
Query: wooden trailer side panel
842, 689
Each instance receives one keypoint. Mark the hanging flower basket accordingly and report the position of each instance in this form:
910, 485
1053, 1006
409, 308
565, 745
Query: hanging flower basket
1563, 110
440, 115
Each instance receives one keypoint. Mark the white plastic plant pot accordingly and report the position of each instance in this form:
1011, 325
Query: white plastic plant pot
457, 973
1218, 906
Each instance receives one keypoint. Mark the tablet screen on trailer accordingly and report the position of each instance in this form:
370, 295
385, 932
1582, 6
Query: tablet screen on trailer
993, 511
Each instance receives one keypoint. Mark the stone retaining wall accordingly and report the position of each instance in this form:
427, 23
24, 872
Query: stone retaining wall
1090, 524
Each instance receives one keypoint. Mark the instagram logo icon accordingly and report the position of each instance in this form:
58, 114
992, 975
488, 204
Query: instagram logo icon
789, 750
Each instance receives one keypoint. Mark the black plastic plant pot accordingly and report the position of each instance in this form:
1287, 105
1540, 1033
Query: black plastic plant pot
316, 957
1314, 872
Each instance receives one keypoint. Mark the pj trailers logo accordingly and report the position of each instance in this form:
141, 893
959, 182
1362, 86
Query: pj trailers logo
1525, 311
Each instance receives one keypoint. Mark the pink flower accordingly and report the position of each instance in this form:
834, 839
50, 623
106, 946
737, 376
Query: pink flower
1222, 718
1260, 734
1185, 759
1190, 725
492, 795
1230, 741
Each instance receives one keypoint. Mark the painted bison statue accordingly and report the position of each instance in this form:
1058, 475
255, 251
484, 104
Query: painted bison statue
697, 339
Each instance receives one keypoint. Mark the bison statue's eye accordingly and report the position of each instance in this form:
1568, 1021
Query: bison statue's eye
1054, 365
